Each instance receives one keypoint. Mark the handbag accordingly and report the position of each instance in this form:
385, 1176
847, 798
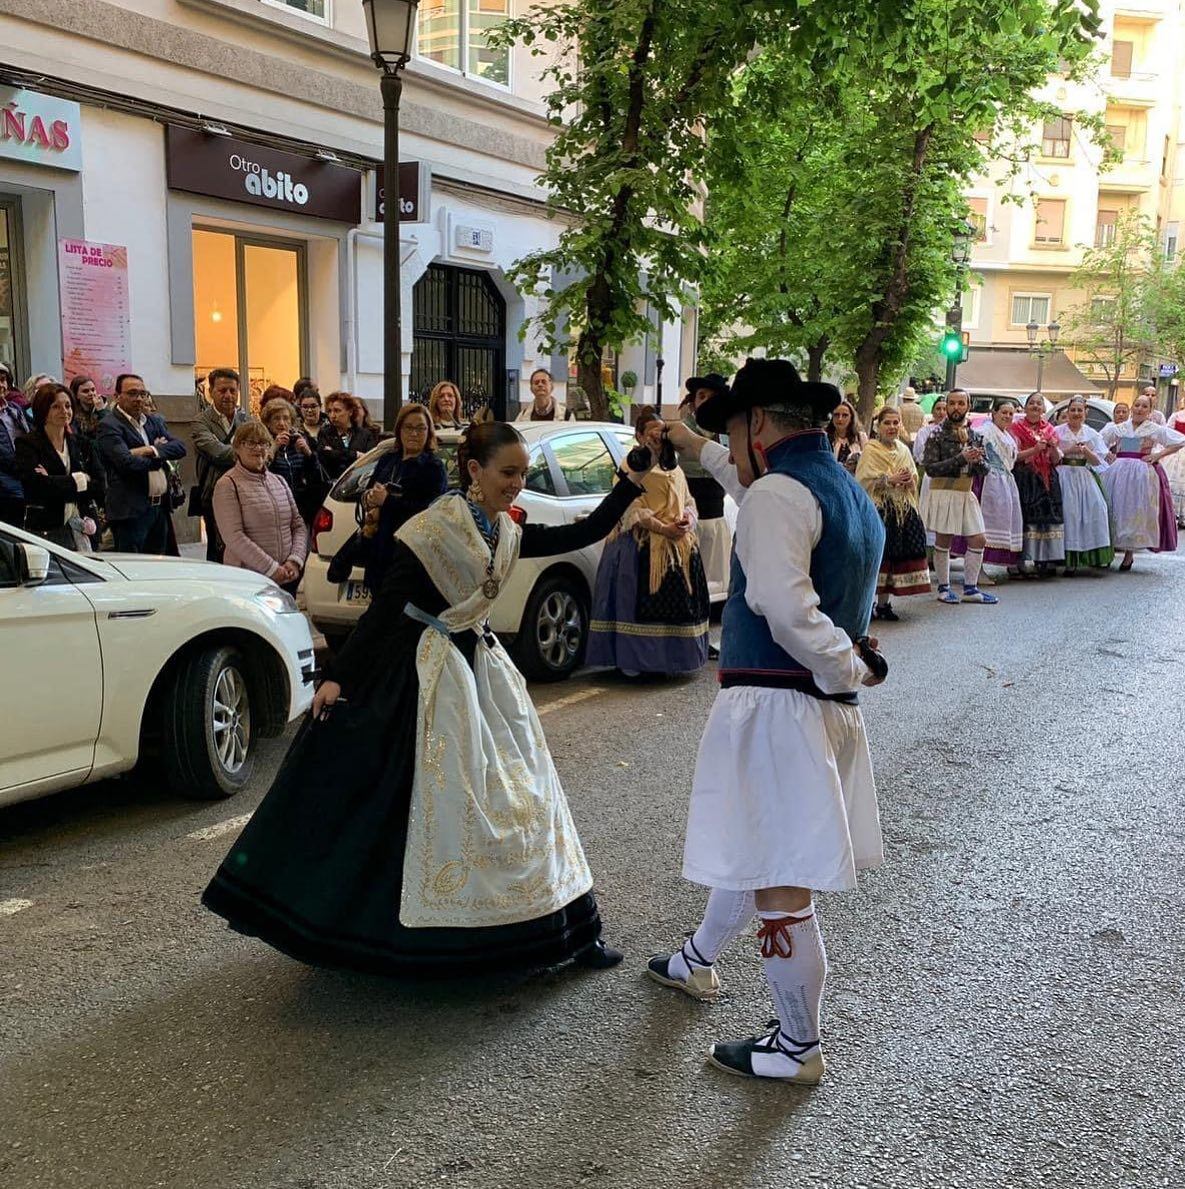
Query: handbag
176, 490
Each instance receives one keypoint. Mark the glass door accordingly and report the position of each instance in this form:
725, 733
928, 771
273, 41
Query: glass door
250, 310
13, 348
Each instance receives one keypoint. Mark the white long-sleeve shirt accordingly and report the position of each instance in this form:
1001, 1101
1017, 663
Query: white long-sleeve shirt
778, 526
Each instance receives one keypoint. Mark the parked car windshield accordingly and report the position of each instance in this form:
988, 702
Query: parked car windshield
357, 479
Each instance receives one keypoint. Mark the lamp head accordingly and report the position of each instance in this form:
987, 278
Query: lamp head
390, 28
1031, 330
1054, 328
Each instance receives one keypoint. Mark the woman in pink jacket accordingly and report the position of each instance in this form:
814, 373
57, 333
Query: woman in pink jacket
256, 514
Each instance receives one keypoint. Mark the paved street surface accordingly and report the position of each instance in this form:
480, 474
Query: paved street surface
1004, 1007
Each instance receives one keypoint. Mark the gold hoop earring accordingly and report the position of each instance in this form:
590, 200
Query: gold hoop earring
475, 495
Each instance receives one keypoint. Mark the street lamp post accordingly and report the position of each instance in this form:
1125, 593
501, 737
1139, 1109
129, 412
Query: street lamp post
1039, 350
961, 255
390, 25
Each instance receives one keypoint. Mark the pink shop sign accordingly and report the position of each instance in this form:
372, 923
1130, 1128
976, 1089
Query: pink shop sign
96, 311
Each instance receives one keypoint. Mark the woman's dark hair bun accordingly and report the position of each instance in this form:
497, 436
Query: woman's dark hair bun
481, 440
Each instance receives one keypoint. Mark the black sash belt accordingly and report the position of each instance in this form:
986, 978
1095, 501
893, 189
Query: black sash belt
801, 684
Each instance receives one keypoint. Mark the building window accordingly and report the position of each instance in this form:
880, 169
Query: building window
1101, 309
317, 9
456, 34
1104, 228
1051, 222
1121, 58
1164, 160
978, 218
1030, 307
1117, 133
1171, 235
1055, 139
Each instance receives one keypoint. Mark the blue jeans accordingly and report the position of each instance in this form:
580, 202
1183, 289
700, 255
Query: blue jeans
146, 533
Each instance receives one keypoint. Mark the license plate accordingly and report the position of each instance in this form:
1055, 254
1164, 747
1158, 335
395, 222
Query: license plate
357, 592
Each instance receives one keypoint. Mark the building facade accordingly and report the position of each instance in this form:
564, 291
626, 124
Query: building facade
192, 183
1033, 230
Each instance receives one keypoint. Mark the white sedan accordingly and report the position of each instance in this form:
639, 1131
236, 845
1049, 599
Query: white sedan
109, 658
543, 610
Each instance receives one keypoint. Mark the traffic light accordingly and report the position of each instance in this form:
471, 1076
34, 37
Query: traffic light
954, 346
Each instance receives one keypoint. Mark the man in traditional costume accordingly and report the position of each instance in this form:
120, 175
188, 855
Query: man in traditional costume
954, 455
783, 802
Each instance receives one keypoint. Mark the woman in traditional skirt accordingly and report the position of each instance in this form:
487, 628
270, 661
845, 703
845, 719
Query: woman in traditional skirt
1175, 467
887, 473
999, 500
1136, 485
417, 825
1084, 506
650, 605
1040, 493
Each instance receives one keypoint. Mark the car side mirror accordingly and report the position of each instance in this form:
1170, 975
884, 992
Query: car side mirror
32, 564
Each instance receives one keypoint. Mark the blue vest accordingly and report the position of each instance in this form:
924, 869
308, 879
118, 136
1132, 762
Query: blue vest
844, 565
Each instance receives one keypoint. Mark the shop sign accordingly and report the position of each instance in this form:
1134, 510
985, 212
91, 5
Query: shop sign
224, 167
96, 311
1167, 370
40, 129
415, 193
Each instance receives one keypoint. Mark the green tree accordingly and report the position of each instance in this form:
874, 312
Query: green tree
1115, 326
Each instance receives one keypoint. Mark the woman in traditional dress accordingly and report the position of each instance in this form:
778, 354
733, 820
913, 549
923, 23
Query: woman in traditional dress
715, 536
650, 605
887, 473
999, 499
417, 825
1136, 485
1037, 457
845, 435
1084, 506
1175, 467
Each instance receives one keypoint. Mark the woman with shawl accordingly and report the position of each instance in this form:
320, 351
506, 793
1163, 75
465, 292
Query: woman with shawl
1037, 456
1136, 485
1087, 518
650, 606
887, 473
999, 500
417, 825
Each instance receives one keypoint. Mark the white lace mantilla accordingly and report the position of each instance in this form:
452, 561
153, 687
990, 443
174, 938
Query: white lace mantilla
490, 838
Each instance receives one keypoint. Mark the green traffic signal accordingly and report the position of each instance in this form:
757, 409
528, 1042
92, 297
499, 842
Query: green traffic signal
952, 345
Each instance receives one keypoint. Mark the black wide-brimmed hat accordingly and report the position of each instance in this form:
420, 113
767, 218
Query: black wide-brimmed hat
714, 382
763, 382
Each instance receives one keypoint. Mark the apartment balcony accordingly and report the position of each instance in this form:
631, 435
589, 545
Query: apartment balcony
1129, 176
1140, 88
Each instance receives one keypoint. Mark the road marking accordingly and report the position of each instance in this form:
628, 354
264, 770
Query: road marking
220, 828
9, 908
580, 696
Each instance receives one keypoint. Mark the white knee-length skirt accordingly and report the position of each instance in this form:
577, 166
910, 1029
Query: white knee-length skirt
783, 795
952, 513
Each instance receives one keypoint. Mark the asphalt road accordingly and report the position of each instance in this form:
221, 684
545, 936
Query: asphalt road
1004, 1007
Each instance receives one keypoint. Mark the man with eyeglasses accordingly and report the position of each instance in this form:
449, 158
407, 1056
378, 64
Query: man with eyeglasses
135, 448
12, 426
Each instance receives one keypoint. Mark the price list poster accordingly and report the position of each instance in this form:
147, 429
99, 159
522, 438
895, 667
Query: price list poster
96, 311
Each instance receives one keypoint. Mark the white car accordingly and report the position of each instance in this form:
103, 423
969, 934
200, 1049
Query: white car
543, 611
109, 658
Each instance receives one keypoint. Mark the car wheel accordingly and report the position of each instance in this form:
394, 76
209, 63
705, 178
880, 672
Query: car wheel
207, 745
554, 630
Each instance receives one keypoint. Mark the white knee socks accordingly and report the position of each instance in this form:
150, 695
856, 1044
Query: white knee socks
972, 567
942, 566
796, 970
725, 918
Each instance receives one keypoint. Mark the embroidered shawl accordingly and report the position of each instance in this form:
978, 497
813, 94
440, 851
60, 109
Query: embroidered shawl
1027, 436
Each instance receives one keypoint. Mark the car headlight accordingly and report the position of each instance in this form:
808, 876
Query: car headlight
277, 600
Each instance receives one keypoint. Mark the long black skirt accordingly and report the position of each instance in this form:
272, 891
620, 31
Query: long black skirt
1041, 510
318, 871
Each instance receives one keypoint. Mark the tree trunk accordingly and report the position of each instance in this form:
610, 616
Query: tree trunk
868, 370
588, 375
814, 359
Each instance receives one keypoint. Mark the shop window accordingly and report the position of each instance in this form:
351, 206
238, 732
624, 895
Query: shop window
319, 10
1055, 138
1051, 222
249, 310
1030, 307
1121, 58
460, 335
456, 34
1104, 228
